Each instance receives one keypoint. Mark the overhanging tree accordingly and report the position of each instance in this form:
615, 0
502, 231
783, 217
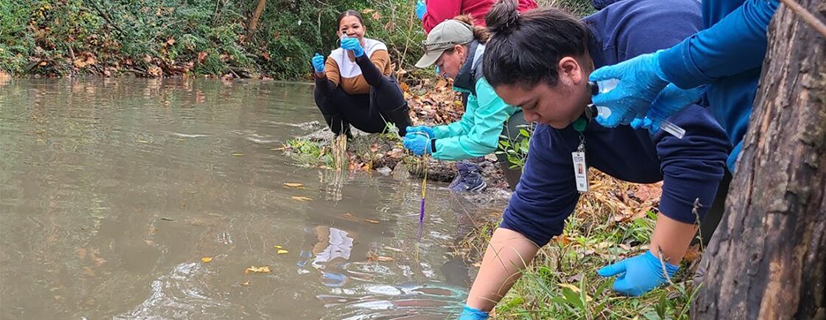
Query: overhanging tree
768, 257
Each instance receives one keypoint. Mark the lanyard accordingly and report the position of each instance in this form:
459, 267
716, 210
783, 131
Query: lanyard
580, 165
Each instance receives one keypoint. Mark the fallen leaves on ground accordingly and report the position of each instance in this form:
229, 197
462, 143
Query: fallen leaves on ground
254, 269
206, 259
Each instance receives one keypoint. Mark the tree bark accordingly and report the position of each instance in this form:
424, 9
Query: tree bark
255, 16
768, 257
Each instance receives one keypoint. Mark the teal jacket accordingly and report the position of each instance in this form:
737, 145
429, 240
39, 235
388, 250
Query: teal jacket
477, 133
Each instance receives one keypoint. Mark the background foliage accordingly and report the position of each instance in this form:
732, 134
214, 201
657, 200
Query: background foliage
171, 37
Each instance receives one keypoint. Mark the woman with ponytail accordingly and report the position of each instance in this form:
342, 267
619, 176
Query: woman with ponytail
457, 48
540, 61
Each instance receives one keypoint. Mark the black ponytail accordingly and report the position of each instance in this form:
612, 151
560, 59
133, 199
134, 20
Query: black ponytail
503, 18
525, 48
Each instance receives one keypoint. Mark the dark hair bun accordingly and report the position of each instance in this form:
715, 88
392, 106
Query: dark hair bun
503, 17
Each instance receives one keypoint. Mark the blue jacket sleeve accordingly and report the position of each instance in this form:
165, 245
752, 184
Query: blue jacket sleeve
692, 167
546, 193
489, 113
734, 44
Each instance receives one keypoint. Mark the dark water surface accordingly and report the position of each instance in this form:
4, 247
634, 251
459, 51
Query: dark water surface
112, 192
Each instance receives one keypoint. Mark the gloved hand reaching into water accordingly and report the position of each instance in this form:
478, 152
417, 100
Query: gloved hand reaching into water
640, 80
424, 129
421, 9
639, 274
469, 313
417, 143
318, 62
670, 101
354, 45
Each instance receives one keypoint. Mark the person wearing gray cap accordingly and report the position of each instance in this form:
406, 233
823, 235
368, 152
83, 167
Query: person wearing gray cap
456, 47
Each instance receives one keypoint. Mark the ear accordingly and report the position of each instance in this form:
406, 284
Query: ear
461, 50
571, 69
338, 33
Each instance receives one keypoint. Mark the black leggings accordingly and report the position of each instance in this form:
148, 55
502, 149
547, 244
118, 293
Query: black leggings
367, 112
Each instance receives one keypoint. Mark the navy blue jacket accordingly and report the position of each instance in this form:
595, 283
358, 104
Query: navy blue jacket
727, 56
691, 168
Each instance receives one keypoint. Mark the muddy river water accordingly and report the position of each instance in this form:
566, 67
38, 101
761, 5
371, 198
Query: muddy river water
150, 199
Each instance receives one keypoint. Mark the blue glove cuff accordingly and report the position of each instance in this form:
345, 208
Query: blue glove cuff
670, 269
474, 313
657, 69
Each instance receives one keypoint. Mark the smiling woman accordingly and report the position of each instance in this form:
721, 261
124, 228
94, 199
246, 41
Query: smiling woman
355, 84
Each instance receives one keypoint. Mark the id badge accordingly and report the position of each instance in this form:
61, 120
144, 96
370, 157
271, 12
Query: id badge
580, 171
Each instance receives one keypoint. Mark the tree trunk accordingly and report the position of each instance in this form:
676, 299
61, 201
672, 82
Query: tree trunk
255, 16
768, 257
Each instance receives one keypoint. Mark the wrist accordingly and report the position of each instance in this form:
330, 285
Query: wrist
474, 313
658, 70
661, 264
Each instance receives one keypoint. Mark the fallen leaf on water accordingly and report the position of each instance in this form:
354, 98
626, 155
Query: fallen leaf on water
254, 269
206, 259
302, 198
143, 141
293, 185
282, 251
246, 283
277, 246
371, 256
372, 221
237, 154
394, 249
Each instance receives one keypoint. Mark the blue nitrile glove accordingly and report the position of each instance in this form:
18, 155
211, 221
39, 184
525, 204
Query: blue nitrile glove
670, 101
421, 9
615, 118
640, 80
354, 45
469, 313
639, 274
424, 129
416, 143
318, 62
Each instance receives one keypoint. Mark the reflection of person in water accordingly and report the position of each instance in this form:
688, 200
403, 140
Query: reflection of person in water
332, 254
335, 237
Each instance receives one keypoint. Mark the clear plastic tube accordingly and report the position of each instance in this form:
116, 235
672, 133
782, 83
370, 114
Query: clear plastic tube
343, 52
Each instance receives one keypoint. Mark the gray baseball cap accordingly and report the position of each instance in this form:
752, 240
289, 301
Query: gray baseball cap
444, 36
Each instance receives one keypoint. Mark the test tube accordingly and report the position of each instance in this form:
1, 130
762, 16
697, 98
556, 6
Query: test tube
343, 52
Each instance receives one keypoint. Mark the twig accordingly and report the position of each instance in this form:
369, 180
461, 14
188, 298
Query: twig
106, 17
696, 212
807, 16
662, 264
410, 23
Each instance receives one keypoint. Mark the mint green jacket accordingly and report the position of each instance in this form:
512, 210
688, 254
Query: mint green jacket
477, 133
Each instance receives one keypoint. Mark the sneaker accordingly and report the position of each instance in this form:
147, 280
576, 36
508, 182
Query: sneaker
469, 179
